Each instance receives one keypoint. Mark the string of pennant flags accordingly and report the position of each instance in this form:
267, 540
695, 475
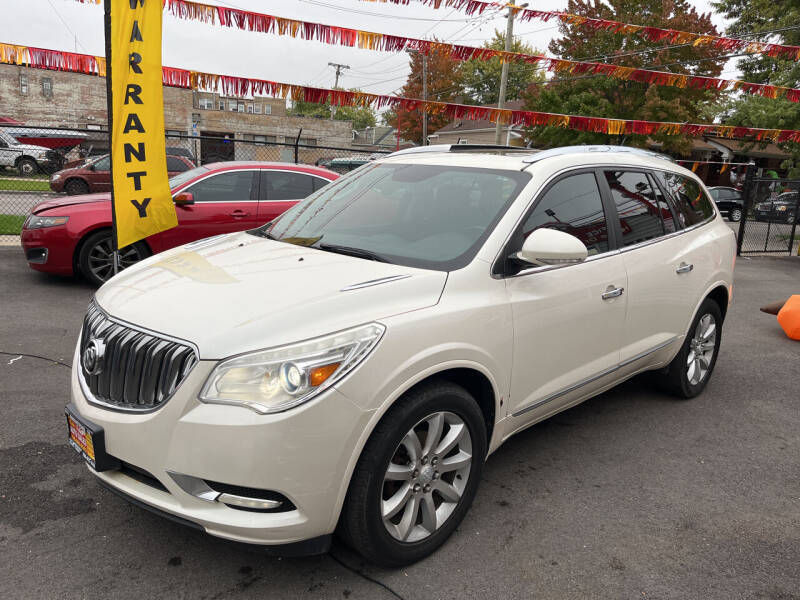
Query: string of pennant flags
230, 85
368, 40
651, 34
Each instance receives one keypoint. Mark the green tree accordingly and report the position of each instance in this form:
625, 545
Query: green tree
481, 78
753, 16
599, 96
360, 116
444, 85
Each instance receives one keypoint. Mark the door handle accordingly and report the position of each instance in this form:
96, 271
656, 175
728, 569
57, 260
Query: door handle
684, 268
238, 214
612, 292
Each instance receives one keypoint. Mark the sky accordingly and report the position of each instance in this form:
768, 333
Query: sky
69, 25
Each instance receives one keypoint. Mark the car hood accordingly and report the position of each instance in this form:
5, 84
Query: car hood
29, 147
69, 201
238, 293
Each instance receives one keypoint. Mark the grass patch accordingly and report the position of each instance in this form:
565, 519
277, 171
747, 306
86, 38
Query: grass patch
11, 224
24, 185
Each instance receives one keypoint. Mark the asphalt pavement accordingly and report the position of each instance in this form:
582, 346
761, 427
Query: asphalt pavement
632, 495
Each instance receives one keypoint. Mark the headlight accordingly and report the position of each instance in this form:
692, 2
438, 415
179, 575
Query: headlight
37, 222
780, 208
270, 381
55, 176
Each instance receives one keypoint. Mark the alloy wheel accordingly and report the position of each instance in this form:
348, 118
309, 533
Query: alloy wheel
701, 349
426, 477
736, 215
101, 258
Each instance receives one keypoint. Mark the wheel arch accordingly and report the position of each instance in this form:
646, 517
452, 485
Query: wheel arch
475, 378
77, 178
85, 235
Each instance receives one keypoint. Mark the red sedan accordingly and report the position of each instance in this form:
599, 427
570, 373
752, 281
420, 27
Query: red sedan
72, 235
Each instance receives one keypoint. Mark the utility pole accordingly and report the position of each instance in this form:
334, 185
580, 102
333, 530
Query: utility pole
424, 98
424, 94
501, 100
338, 68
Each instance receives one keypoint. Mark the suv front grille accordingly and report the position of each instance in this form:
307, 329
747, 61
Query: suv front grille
133, 370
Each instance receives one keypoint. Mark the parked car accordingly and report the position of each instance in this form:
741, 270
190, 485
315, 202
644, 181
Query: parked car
784, 209
93, 176
178, 151
27, 159
350, 365
345, 165
72, 235
729, 201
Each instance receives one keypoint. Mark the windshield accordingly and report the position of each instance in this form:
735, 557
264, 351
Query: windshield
182, 178
434, 217
8, 138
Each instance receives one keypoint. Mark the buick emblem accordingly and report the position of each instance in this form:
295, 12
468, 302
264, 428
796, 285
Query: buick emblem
92, 359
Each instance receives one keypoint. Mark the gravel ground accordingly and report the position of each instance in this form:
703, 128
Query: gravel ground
630, 495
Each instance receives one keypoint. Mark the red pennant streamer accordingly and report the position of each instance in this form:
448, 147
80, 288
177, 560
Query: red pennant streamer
342, 36
242, 86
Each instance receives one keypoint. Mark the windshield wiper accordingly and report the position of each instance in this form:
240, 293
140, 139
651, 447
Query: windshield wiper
357, 252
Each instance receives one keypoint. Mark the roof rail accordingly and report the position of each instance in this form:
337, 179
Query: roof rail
462, 148
591, 148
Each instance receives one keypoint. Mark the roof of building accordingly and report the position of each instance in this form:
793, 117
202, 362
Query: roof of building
468, 125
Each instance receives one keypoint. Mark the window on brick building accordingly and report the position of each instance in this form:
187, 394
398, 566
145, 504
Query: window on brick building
47, 87
249, 109
23, 85
257, 109
232, 105
222, 104
240, 107
267, 109
207, 104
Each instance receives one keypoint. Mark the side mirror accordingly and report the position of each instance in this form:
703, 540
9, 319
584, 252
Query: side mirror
552, 247
184, 199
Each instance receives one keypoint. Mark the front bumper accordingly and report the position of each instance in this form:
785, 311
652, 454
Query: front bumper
302, 454
49, 249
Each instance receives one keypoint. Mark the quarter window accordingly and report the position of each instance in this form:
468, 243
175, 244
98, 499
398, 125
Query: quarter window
637, 206
691, 203
573, 205
235, 186
285, 185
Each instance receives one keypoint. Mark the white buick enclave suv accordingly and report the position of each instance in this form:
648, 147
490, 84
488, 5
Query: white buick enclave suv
350, 365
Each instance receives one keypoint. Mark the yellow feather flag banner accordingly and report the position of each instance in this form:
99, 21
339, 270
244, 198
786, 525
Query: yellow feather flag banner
142, 199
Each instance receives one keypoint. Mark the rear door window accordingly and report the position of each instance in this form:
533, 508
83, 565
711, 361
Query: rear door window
691, 203
637, 206
573, 205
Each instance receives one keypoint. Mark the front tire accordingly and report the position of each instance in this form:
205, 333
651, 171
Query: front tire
95, 260
27, 167
76, 187
689, 372
417, 475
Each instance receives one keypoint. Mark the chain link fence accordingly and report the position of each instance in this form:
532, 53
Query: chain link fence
41, 164
771, 217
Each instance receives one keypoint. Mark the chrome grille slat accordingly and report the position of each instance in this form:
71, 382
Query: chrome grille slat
140, 370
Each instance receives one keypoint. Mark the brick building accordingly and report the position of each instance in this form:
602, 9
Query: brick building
43, 98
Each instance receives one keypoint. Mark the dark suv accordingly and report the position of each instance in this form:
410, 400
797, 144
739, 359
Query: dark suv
783, 209
729, 201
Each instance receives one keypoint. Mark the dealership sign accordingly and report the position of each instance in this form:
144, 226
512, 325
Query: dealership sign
142, 199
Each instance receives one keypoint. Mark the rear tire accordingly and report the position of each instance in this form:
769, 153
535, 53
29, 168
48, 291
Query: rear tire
735, 215
76, 187
408, 493
689, 372
95, 262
